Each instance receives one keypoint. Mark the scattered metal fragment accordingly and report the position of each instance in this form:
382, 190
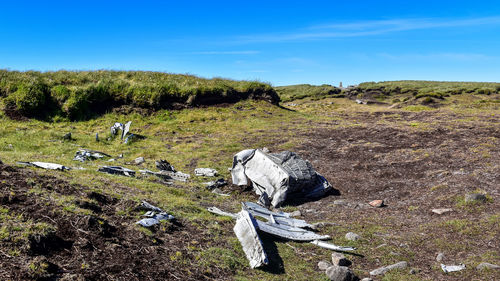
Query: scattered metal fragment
126, 129
205, 172
167, 175
280, 218
216, 184
163, 165
452, 268
117, 170
44, 165
218, 211
245, 230
278, 224
331, 246
114, 129
154, 215
146, 206
289, 232
83, 155
278, 174
154, 219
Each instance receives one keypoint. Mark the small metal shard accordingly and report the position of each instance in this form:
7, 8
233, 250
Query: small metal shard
205, 172
452, 268
126, 129
117, 170
44, 165
331, 246
218, 211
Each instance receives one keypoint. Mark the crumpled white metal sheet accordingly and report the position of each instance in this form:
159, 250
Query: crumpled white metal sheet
279, 175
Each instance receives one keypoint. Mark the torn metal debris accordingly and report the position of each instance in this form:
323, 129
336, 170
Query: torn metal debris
117, 170
163, 165
280, 175
205, 172
452, 268
168, 175
246, 231
47, 166
277, 224
216, 184
153, 216
83, 155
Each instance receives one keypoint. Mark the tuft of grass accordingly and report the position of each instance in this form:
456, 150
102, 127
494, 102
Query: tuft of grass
295, 92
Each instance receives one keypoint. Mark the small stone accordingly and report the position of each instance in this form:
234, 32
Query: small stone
67, 136
377, 203
485, 265
265, 150
475, 197
351, 236
441, 211
440, 257
414, 271
324, 265
383, 270
319, 225
366, 279
339, 259
296, 213
340, 202
139, 160
340, 273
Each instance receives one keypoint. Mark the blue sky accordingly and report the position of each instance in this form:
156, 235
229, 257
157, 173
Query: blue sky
281, 42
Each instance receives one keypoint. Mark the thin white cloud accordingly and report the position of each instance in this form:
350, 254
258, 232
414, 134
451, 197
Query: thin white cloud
370, 28
438, 56
225, 53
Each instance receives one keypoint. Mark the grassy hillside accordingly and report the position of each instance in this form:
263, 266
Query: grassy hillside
295, 92
414, 160
83, 94
429, 91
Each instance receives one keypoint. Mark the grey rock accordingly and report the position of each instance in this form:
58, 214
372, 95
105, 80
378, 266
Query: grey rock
324, 265
485, 265
67, 136
340, 273
351, 236
414, 271
441, 211
319, 225
366, 279
440, 257
265, 150
383, 270
340, 202
475, 197
296, 214
339, 259
139, 160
